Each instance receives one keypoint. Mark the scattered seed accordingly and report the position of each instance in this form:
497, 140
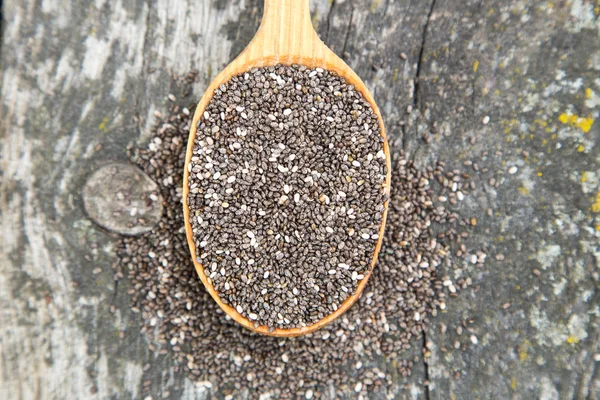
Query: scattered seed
180, 317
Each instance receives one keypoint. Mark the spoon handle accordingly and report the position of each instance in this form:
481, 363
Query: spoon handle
286, 29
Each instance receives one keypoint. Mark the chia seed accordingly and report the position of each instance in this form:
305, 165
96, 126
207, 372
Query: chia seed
339, 361
271, 197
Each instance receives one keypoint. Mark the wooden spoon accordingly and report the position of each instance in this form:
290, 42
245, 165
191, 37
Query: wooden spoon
286, 36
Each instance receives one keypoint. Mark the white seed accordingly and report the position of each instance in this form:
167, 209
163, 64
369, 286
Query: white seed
287, 112
513, 170
231, 179
253, 316
486, 120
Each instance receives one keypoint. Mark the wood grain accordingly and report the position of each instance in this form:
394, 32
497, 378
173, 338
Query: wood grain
70, 68
286, 36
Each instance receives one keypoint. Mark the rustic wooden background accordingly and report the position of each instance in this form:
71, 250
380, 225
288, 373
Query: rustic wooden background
75, 73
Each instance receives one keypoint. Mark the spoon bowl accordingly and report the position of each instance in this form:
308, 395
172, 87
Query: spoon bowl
286, 36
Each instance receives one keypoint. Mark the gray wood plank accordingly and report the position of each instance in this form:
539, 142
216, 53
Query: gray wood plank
74, 75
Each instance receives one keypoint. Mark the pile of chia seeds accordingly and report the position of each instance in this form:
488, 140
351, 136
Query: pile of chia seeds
364, 351
286, 194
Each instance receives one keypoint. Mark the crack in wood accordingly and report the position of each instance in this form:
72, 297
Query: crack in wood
426, 367
385, 8
417, 94
144, 73
347, 34
329, 18
1, 28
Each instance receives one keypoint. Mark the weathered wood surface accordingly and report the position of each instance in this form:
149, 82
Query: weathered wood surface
74, 74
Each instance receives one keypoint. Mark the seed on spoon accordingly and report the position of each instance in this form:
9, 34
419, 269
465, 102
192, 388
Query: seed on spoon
293, 176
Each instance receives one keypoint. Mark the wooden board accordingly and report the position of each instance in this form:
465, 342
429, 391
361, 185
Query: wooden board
74, 74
